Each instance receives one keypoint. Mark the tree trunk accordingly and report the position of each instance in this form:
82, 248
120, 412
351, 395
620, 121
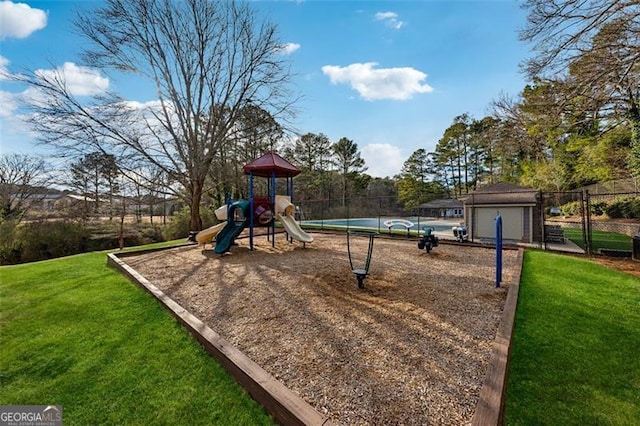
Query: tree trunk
634, 154
344, 190
85, 213
164, 209
195, 224
110, 204
123, 213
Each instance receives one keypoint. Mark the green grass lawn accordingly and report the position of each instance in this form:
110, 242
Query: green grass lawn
75, 332
576, 347
600, 239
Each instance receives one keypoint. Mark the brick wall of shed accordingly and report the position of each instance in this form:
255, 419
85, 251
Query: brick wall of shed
538, 224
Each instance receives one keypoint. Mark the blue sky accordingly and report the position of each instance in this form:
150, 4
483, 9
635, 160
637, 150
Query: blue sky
389, 75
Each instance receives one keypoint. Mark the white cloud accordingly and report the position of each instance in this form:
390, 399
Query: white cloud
153, 105
383, 160
19, 20
384, 83
390, 19
149, 111
289, 48
80, 81
9, 103
4, 71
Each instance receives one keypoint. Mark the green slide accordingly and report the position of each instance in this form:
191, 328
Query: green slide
233, 228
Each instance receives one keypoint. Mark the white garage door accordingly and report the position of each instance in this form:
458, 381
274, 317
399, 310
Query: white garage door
511, 222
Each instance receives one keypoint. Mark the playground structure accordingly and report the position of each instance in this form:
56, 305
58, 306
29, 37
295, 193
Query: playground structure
207, 236
238, 214
285, 213
258, 211
272, 166
498, 249
460, 233
361, 272
427, 240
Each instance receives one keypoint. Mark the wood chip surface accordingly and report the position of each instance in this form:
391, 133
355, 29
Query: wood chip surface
412, 347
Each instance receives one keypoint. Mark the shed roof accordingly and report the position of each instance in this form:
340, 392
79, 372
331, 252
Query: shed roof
271, 164
447, 203
502, 193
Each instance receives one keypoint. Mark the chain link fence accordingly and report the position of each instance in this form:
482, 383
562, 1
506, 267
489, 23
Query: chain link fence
574, 221
613, 220
373, 212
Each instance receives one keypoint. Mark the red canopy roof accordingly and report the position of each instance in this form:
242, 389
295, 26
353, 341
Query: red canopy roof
270, 164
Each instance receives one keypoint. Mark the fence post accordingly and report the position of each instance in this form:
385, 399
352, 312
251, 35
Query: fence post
587, 214
589, 233
585, 240
471, 224
543, 238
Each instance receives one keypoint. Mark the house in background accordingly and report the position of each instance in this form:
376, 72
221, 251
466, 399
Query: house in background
70, 203
44, 202
443, 208
34, 201
520, 208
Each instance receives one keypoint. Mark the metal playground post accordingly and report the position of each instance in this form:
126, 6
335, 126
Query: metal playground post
498, 250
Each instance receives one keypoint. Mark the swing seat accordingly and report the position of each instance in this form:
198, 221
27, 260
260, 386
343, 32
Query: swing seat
360, 274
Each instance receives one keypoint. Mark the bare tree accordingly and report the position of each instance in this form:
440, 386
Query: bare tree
207, 59
256, 132
562, 30
21, 184
156, 179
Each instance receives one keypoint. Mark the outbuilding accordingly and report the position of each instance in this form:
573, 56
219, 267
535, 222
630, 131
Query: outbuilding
519, 207
442, 208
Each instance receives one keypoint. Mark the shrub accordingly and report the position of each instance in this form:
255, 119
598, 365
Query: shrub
47, 240
151, 234
598, 207
624, 208
9, 246
571, 209
106, 235
33, 241
179, 225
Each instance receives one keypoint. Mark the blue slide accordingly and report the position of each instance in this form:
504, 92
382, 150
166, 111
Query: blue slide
233, 228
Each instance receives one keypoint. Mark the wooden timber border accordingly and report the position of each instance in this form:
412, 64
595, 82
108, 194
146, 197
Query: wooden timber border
285, 406
490, 408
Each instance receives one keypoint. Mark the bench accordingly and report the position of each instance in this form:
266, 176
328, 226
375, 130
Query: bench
554, 234
407, 224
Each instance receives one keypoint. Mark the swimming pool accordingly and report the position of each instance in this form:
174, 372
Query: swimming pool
378, 223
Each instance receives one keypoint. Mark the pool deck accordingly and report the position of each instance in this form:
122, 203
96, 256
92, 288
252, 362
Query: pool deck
567, 247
